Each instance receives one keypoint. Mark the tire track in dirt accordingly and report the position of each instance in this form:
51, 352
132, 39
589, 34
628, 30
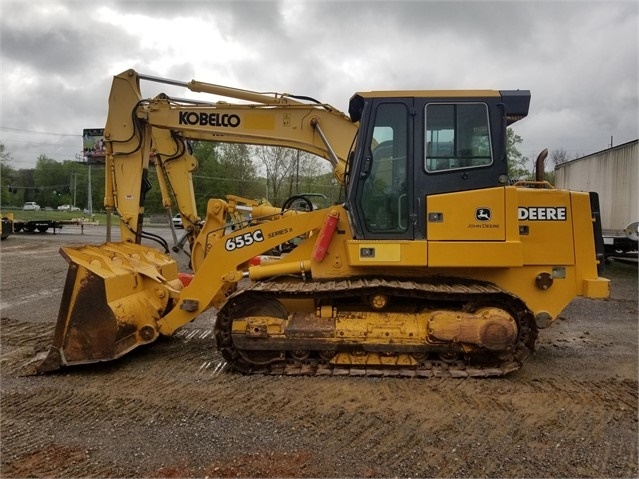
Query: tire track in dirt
191, 353
22, 333
430, 426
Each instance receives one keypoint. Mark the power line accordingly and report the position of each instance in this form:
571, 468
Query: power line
29, 143
18, 130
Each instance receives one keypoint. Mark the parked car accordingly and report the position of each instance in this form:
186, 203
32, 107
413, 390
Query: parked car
177, 221
68, 208
31, 206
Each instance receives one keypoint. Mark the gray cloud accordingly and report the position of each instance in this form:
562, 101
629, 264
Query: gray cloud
579, 59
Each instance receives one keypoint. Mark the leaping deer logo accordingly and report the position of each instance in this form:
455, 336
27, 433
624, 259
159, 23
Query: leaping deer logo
482, 214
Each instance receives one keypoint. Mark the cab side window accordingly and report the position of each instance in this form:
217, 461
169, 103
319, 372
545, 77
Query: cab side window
457, 136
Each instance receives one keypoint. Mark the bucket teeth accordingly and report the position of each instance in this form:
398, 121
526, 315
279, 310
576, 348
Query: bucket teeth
113, 297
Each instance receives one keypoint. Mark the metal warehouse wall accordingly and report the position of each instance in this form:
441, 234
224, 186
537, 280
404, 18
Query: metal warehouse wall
614, 174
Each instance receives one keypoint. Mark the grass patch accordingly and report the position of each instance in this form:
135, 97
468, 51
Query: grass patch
51, 215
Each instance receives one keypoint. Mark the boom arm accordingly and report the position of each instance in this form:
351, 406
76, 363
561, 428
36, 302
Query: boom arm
139, 130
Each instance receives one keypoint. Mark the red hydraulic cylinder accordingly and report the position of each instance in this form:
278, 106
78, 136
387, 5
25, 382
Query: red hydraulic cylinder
325, 235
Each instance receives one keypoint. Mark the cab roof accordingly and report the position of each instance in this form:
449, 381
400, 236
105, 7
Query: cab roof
516, 102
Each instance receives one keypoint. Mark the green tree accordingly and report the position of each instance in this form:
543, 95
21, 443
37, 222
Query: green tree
5, 156
206, 179
56, 183
238, 166
223, 169
517, 163
313, 176
279, 164
26, 186
97, 185
8, 176
53, 182
306, 169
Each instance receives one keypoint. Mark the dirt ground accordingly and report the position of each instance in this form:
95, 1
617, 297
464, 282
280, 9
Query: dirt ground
174, 410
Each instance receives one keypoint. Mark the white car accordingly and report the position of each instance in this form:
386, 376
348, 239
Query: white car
68, 208
31, 206
177, 222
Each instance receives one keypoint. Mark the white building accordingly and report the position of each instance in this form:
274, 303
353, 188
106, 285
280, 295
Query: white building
614, 175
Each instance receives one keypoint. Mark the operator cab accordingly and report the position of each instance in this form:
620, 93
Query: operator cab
414, 144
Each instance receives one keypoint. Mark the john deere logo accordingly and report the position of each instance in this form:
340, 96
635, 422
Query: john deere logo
482, 214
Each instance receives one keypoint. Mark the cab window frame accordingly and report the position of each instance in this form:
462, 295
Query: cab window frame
447, 153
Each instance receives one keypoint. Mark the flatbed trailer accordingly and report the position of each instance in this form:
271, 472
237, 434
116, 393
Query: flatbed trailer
11, 225
40, 226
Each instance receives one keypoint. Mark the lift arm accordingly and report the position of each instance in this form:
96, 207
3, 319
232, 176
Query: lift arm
140, 132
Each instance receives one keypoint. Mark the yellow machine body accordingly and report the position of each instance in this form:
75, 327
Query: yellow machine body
455, 280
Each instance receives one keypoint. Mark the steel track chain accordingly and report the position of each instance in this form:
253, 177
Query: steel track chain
442, 289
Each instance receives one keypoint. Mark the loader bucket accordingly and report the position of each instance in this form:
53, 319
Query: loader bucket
113, 296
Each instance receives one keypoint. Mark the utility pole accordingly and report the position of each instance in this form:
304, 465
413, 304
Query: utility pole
89, 194
75, 186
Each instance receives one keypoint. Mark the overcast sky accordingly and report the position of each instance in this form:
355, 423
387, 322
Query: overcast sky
579, 59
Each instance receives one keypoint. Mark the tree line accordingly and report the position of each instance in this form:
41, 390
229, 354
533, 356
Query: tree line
253, 172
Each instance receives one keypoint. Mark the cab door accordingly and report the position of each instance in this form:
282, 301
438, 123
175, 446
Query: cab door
383, 188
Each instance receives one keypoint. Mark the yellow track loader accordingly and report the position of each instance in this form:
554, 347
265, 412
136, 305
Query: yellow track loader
433, 265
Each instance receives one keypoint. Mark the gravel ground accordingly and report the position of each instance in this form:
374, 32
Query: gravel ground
174, 410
